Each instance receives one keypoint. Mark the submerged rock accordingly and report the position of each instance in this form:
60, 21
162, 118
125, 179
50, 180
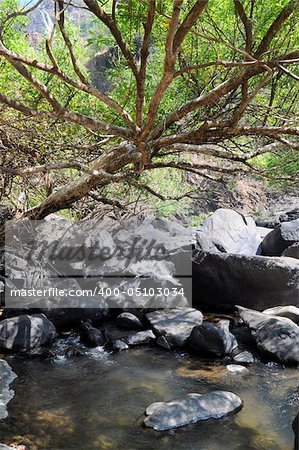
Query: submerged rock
280, 238
6, 394
23, 333
176, 324
277, 337
215, 340
191, 408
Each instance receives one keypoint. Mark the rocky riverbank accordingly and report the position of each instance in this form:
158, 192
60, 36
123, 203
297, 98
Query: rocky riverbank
245, 292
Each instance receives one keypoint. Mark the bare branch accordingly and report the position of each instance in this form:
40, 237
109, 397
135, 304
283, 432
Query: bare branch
247, 22
285, 13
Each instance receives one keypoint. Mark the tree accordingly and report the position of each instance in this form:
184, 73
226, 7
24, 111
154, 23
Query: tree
197, 78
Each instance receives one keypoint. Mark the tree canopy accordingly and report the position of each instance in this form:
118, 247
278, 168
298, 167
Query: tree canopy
198, 86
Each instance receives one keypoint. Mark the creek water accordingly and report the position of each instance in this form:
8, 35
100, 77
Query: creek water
97, 401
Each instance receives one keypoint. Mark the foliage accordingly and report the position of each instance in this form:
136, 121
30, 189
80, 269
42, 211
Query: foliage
221, 102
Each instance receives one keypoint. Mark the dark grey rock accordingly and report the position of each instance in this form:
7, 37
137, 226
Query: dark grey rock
23, 333
141, 338
292, 251
191, 408
290, 311
276, 337
215, 340
90, 335
258, 282
6, 394
280, 238
129, 321
176, 324
227, 231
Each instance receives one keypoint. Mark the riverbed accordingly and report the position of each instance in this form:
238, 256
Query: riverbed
97, 401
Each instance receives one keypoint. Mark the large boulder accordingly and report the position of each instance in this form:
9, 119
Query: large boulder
6, 394
210, 339
280, 238
257, 282
227, 231
191, 408
23, 333
276, 337
175, 324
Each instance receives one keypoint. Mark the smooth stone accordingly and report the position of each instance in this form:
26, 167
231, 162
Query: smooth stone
227, 231
129, 321
215, 340
6, 394
277, 337
244, 357
236, 368
290, 311
141, 338
23, 333
191, 408
280, 238
176, 324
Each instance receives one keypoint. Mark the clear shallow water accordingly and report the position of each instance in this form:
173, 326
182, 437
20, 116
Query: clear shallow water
97, 402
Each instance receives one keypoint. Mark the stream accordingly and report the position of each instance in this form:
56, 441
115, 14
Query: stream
97, 401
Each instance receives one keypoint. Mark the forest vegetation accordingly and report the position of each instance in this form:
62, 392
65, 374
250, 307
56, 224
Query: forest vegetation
202, 87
